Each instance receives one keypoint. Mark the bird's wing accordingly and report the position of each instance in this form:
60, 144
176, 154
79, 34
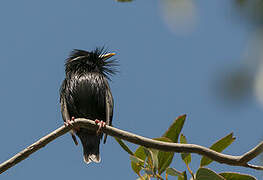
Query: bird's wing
65, 115
64, 109
109, 108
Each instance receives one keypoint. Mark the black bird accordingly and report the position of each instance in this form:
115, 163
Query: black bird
85, 93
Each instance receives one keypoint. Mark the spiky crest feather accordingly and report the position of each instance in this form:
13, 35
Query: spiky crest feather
81, 61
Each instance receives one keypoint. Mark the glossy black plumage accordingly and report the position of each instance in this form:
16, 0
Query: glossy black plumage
85, 93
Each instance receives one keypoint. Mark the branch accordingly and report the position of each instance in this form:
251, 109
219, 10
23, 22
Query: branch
136, 139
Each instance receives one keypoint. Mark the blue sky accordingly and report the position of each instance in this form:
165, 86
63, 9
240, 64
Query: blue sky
163, 73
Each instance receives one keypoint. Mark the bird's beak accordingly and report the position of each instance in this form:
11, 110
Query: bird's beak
107, 56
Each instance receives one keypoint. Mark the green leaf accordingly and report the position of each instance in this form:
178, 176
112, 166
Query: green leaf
136, 160
219, 146
124, 146
139, 153
185, 156
236, 176
152, 155
175, 129
184, 177
171, 135
164, 158
173, 172
207, 174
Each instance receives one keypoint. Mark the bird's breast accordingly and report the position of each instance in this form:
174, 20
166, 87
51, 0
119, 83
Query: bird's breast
85, 96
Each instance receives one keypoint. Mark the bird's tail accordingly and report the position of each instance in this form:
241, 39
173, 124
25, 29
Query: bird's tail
91, 147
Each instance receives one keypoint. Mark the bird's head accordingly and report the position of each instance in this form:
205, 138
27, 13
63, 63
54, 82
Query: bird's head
96, 61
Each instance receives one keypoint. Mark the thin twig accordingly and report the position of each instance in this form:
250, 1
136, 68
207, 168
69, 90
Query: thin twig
190, 171
136, 139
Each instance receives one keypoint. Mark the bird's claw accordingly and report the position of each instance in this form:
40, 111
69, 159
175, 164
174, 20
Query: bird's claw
101, 124
69, 122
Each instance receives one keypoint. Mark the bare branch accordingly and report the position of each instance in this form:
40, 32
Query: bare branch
136, 139
254, 166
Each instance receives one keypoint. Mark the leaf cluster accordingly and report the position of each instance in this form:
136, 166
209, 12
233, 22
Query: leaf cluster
156, 164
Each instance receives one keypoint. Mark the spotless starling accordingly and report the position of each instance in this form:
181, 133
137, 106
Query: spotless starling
85, 93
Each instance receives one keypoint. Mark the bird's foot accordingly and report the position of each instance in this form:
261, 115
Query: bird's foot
101, 124
69, 122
